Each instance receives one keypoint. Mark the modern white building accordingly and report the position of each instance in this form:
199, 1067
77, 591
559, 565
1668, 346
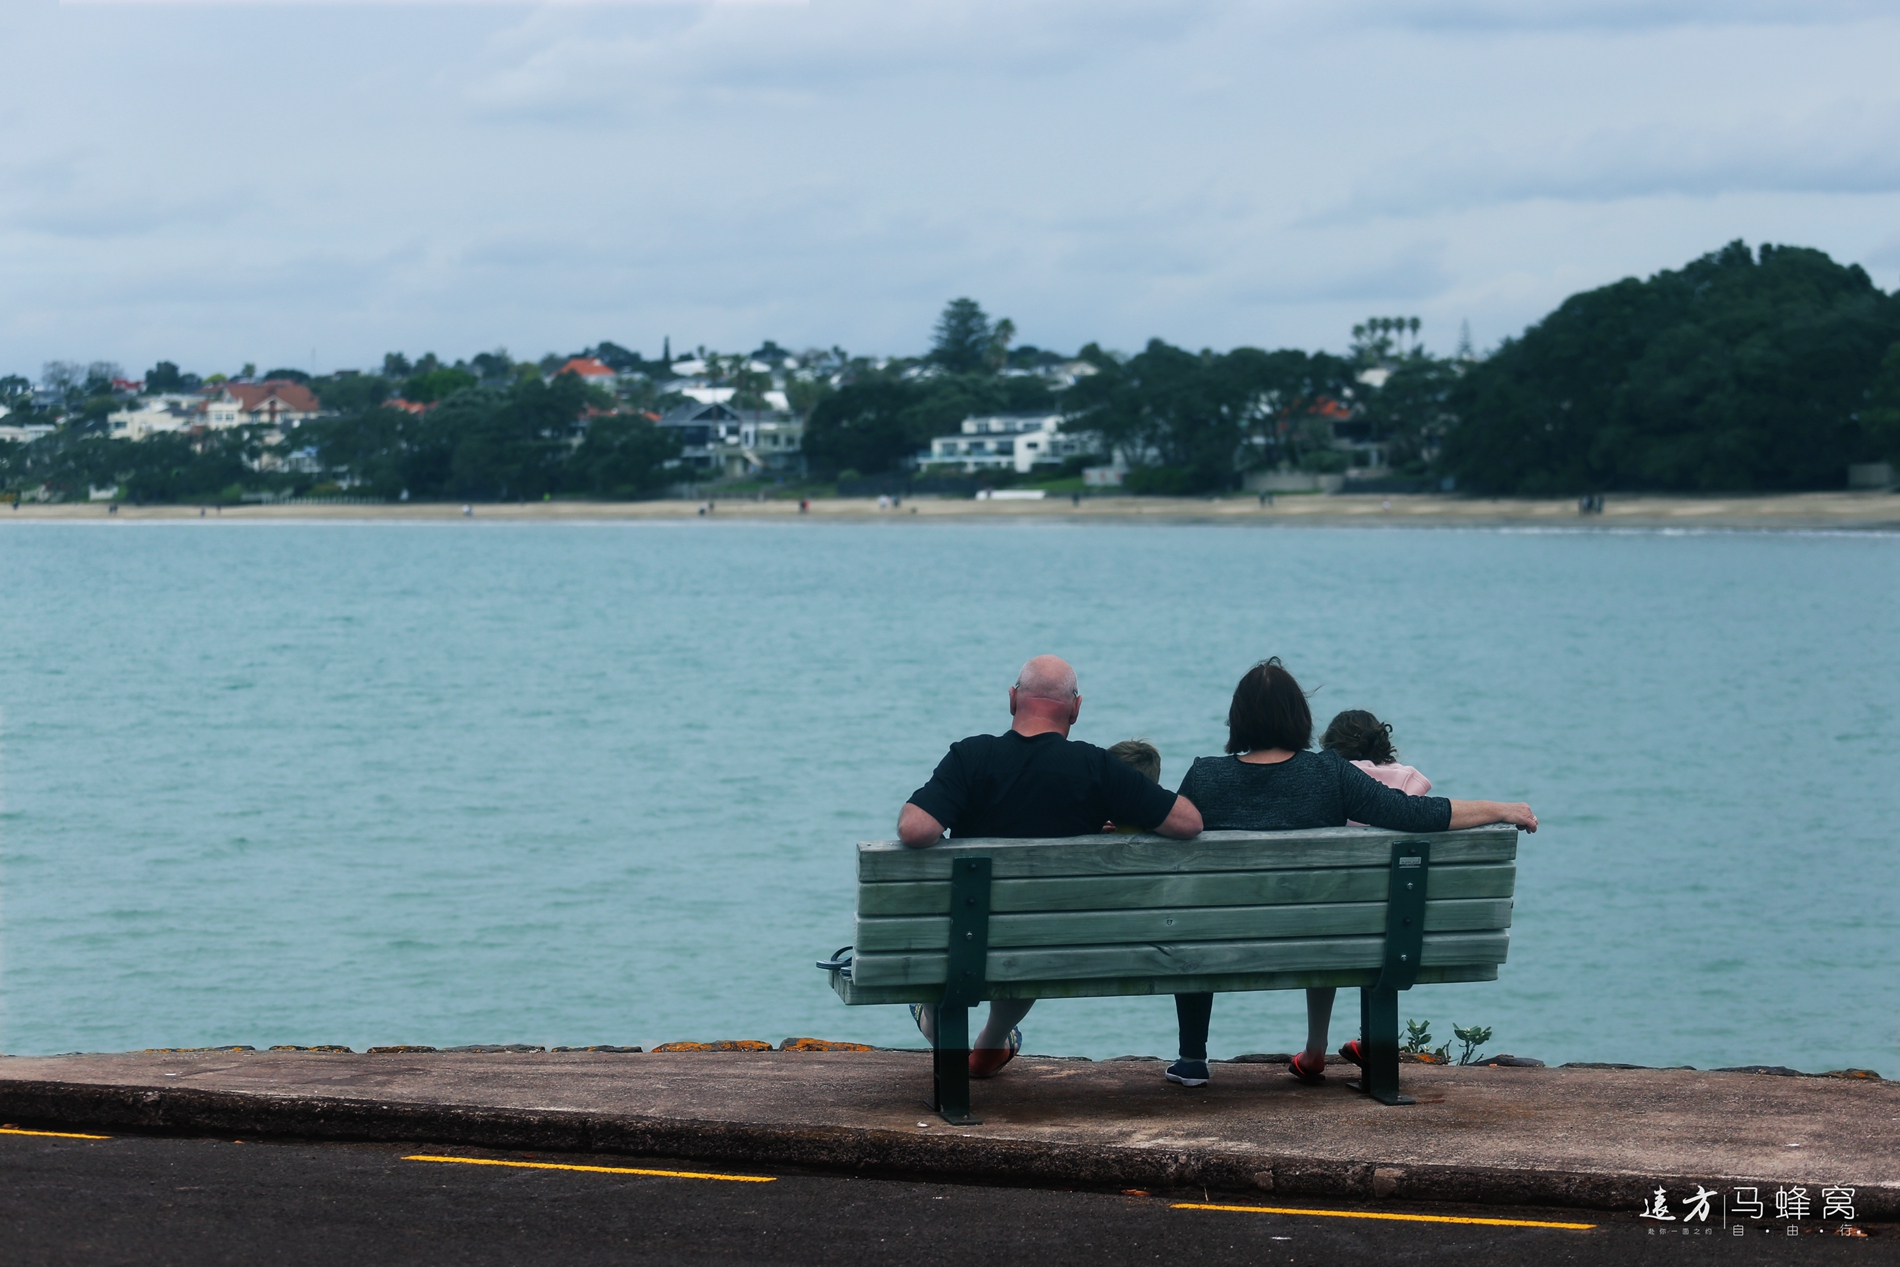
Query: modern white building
1014, 442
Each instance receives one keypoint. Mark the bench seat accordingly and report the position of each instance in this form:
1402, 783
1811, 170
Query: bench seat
1091, 916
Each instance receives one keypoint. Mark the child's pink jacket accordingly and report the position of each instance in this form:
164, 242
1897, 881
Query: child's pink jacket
1402, 777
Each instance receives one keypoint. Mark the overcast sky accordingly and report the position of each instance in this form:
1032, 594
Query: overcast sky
277, 182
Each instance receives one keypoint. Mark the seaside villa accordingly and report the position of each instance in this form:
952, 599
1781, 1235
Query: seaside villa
1012, 442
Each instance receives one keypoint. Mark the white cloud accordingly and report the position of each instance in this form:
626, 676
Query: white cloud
241, 182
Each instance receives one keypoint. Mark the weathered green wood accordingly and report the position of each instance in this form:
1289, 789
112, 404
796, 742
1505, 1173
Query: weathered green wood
1210, 851
1175, 959
1205, 923
855, 994
1222, 888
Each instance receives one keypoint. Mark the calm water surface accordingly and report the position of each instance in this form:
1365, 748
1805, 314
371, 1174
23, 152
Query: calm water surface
569, 784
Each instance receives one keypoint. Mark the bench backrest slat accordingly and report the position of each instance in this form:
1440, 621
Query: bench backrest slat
1212, 851
1226, 888
1205, 923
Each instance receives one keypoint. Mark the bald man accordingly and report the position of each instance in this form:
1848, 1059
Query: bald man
1033, 781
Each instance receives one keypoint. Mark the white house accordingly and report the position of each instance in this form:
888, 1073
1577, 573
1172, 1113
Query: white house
717, 440
25, 433
1015, 442
275, 401
153, 415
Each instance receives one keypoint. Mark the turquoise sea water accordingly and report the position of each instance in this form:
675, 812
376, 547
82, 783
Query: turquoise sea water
567, 784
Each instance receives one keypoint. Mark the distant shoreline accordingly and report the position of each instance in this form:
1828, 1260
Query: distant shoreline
1876, 511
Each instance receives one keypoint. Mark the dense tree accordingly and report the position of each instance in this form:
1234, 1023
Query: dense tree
352, 393
496, 366
1881, 415
490, 443
428, 386
396, 365
614, 357
866, 427
1191, 422
1736, 372
164, 377
622, 456
287, 376
965, 342
1411, 412
163, 468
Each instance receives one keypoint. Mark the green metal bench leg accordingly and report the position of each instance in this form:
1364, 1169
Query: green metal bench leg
963, 987
950, 1067
1404, 945
1379, 1042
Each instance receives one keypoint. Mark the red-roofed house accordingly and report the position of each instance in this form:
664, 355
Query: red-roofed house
275, 401
592, 372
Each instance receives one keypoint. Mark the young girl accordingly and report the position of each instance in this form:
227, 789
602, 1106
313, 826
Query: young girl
1366, 741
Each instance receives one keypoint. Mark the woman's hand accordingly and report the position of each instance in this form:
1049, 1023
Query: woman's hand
1482, 813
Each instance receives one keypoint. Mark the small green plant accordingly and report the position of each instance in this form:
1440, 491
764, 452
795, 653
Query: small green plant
1418, 1041
1473, 1038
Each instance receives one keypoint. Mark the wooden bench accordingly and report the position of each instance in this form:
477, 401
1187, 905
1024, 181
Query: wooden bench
969, 920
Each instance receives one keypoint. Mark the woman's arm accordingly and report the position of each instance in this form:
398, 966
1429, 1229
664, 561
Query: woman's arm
1367, 800
1481, 813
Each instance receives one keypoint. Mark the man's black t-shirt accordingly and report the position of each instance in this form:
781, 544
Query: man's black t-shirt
1042, 785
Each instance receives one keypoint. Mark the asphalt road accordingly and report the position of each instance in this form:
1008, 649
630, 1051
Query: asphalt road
155, 1200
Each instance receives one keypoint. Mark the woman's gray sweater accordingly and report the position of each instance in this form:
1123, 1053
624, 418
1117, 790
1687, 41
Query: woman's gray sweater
1311, 789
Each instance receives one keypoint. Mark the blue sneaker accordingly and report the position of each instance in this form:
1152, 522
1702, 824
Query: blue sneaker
1189, 1073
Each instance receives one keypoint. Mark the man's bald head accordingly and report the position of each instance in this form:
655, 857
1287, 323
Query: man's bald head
1047, 677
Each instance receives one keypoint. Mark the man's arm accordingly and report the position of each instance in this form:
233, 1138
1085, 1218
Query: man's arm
918, 829
1182, 823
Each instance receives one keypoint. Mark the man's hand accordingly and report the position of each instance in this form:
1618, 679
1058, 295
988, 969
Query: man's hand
917, 828
1182, 823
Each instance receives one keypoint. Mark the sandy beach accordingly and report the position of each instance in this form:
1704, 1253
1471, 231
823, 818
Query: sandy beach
1803, 511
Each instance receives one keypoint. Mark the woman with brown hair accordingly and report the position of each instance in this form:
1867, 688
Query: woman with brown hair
1271, 781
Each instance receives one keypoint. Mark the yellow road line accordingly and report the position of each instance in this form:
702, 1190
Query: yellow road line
1370, 1214
14, 1130
599, 1170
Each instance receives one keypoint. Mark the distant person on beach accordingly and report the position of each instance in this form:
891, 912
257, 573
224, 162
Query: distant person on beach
1270, 781
1032, 781
1366, 741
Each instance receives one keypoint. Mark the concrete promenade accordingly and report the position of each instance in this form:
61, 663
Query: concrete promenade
1582, 1137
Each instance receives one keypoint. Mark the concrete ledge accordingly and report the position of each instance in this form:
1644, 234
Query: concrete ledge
1583, 1138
